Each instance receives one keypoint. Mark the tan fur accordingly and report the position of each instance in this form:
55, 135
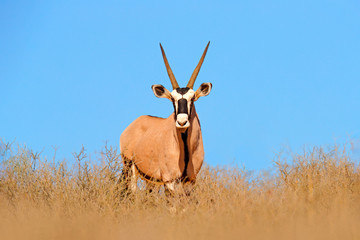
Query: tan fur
155, 146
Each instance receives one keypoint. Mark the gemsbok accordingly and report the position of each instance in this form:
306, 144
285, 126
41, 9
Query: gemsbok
166, 151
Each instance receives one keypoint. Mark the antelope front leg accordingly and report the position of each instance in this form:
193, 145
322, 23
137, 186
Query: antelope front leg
174, 188
175, 193
170, 188
189, 188
179, 188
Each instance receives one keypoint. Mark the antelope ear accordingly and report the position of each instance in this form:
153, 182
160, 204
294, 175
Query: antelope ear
203, 90
160, 91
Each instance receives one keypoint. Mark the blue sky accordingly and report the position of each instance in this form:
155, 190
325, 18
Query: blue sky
284, 73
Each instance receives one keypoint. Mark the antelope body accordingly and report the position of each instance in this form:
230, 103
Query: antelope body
167, 151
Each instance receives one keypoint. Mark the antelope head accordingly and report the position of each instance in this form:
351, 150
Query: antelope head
182, 98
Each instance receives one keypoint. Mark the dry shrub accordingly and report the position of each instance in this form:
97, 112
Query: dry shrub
314, 195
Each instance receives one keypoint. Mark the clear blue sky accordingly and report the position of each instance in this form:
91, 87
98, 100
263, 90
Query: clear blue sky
284, 73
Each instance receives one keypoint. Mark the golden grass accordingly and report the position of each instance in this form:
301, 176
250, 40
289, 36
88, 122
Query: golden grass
315, 195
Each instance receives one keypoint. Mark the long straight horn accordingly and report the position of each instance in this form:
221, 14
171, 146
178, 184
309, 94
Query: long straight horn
168, 69
197, 69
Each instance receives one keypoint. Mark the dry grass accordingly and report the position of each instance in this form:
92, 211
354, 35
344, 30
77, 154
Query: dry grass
315, 195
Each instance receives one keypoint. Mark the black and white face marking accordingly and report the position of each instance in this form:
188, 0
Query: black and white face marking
182, 98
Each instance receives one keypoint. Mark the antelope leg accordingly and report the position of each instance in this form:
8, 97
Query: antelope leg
174, 187
133, 178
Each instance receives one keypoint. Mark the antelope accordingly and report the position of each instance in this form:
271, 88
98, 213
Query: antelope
166, 151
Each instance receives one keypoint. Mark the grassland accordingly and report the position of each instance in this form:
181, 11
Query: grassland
313, 195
